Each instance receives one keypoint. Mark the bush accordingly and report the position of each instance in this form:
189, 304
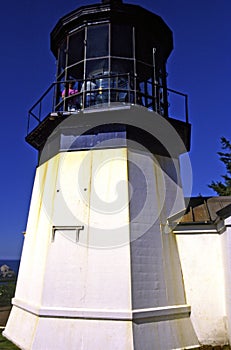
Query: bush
7, 291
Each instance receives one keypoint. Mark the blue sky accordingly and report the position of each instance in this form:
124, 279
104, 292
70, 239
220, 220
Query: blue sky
198, 66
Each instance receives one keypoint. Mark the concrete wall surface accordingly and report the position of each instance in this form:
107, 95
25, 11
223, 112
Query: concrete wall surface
202, 264
226, 249
98, 270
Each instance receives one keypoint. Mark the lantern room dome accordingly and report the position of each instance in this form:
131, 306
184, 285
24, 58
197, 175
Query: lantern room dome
152, 31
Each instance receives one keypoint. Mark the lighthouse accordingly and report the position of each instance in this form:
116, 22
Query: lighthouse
100, 266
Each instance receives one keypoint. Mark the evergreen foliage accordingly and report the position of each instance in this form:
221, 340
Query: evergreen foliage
223, 188
6, 293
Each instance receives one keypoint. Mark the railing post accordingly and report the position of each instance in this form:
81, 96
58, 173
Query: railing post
135, 88
83, 93
109, 89
55, 92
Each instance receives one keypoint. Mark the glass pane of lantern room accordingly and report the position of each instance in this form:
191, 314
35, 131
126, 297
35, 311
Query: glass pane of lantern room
76, 48
75, 72
121, 40
96, 67
97, 41
62, 57
143, 47
122, 66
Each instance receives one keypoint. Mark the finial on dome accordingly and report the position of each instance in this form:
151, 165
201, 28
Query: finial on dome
112, 2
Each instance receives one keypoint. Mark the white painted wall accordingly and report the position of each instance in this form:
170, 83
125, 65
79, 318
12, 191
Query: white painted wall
90, 279
154, 252
226, 248
101, 291
202, 264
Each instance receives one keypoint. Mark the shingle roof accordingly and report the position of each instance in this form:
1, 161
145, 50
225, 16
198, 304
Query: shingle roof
207, 209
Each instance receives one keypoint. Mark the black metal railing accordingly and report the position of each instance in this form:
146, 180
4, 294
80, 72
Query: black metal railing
103, 90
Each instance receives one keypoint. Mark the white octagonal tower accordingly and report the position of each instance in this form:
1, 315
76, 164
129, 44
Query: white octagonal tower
100, 267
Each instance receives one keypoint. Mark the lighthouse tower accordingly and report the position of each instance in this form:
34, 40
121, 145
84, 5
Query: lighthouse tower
100, 267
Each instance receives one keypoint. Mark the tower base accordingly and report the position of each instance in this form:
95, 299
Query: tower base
151, 329
100, 269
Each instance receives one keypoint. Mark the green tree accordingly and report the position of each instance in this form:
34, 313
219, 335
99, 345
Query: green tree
223, 188
6, 293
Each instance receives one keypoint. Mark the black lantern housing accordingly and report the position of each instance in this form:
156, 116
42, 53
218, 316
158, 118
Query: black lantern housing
123, 44
111, 53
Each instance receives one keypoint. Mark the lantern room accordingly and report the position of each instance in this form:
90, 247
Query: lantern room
120, 48
108, 53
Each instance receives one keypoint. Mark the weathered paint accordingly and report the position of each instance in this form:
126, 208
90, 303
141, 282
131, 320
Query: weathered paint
156, 271
203, 268
226, 250
112, 289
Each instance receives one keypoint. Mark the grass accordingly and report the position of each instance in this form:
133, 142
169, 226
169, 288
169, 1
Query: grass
6, 344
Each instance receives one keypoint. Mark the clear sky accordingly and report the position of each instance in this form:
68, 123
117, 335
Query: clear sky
198, 66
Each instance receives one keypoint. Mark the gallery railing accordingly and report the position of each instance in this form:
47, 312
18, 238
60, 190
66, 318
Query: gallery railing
102, 90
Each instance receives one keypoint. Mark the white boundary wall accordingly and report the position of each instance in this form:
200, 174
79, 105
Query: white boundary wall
226, 246
206, 265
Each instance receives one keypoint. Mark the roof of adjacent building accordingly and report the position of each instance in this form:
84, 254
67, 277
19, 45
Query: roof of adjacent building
207, 209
